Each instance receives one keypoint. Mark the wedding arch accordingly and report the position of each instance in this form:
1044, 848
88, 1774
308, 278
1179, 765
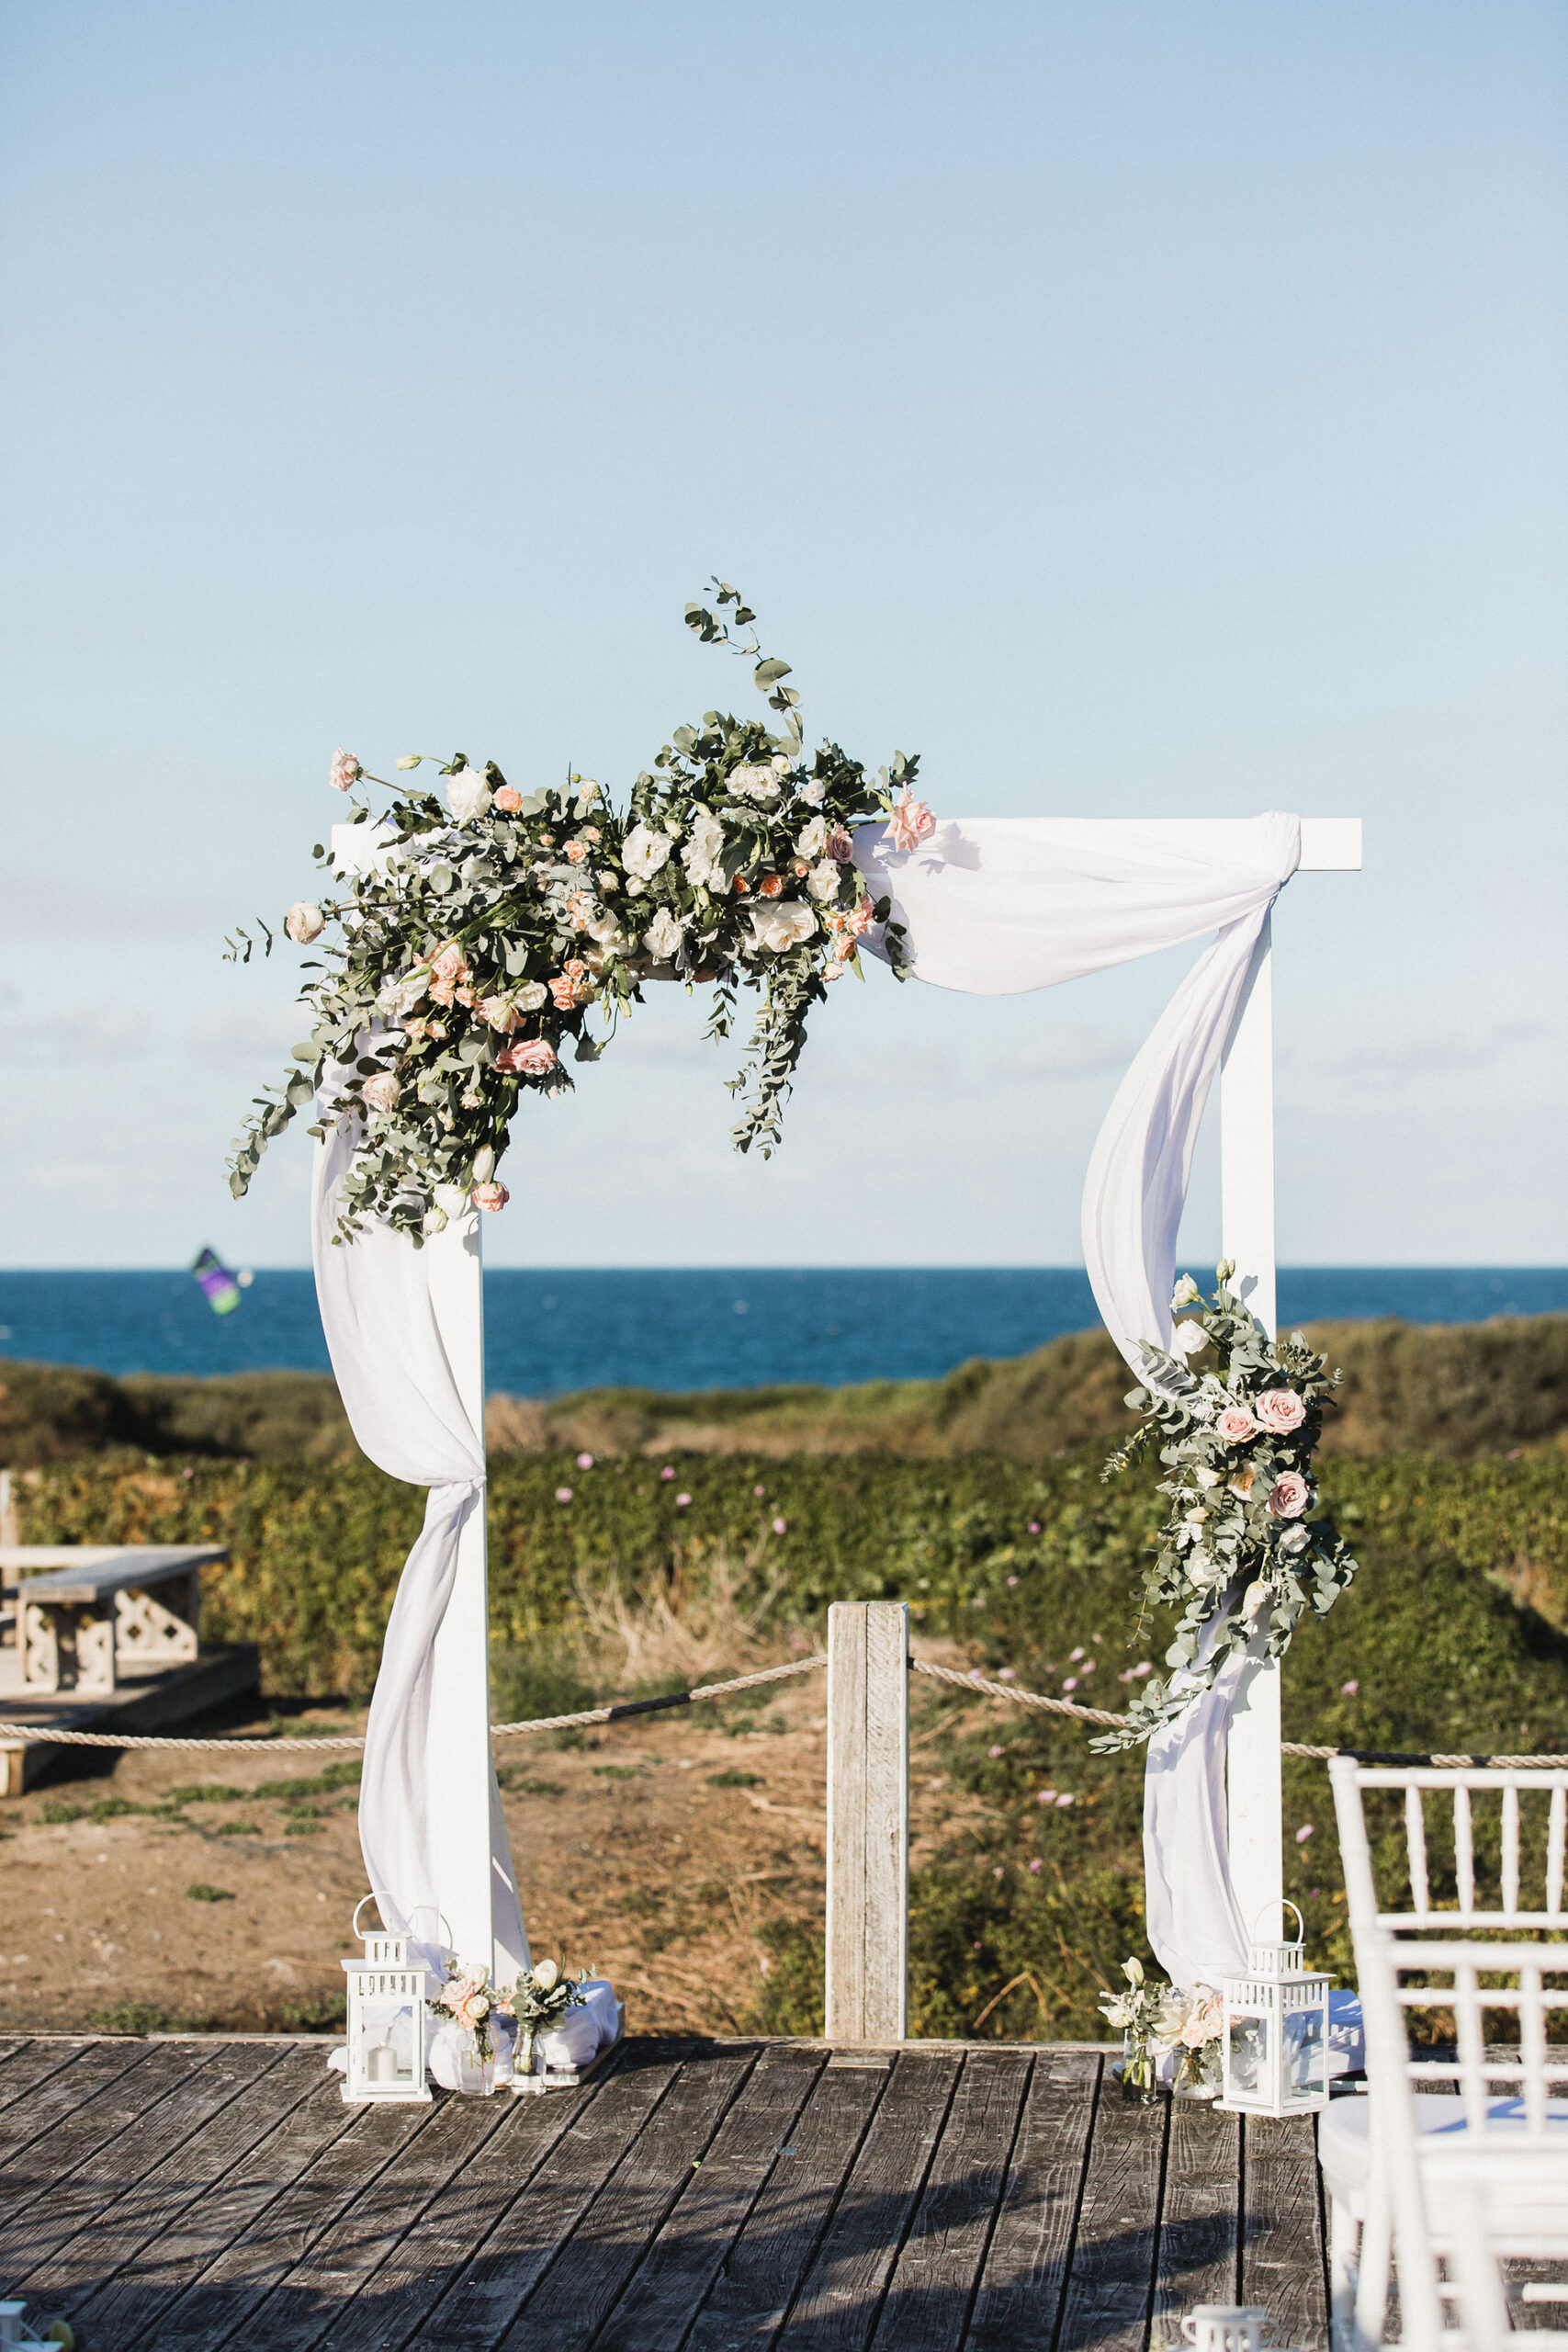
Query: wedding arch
474, 938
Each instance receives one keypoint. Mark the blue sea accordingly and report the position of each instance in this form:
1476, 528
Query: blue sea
672, 1328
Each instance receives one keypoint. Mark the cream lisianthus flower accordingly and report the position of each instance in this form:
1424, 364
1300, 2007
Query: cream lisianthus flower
547, 1975
812, 839
702, 856
665, 936
467, 795
823, 880
643, 852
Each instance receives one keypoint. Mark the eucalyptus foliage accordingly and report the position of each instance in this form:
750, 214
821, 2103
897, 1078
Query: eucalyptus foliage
1245, 1550
498, 929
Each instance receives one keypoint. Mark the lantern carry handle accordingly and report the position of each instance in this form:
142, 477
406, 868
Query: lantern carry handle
354, 1927
1284, 1904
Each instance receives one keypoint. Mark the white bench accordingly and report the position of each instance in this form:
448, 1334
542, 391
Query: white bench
88, 1615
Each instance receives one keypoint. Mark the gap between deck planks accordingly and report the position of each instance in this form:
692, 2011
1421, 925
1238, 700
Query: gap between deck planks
695, 2197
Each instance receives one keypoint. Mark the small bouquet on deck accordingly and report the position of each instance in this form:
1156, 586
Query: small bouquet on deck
538, 2000
1137, 2011
468, 1998
1192, 2026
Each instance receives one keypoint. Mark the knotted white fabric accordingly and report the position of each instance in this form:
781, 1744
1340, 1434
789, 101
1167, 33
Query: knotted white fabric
993, 906
405, 1406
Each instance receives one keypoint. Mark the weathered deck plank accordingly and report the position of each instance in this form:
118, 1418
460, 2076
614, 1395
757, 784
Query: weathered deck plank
1111, 2283
1281, 2254
680, 2266
149, 2244
605, 2119
1200, 2223
841, 2297
927, 2306
219, 2197
1025, 2270
757, 2282
594, 2266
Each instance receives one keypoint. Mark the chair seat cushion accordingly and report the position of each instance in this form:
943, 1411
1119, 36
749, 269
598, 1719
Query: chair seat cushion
1343, 2127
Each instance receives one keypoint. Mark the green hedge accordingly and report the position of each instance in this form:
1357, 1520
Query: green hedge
317, 1546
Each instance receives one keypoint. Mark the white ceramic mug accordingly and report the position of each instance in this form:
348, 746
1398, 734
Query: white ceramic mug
1228, 2328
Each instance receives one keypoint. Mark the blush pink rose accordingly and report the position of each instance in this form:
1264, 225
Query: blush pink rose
381, 1093
1235, 1425
449, 964
303, 922
509, 800
499, 1013
910, 823
490, 1196
530, 1057
1290, 1495
1279, 1410
346, 770
576, 852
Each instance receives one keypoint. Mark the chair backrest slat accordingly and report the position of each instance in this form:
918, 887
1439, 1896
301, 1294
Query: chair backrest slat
1511, 1848
1415, 1847
1554, 1843
1464, 1849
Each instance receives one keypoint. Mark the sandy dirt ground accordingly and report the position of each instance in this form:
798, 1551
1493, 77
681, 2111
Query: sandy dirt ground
651, 1855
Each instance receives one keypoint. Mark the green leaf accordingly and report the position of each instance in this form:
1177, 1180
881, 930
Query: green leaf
768, 674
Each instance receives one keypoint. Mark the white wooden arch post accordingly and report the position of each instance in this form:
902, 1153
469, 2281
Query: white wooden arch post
458, 1744
868, 1739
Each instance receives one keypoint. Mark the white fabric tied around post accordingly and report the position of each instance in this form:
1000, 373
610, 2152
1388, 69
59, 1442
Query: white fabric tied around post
406, 1409
994, 906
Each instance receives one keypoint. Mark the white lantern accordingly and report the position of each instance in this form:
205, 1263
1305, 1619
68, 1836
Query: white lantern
1276, 2034
386, 2021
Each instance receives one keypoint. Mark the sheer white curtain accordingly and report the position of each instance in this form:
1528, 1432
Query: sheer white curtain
405, 1406
994, 906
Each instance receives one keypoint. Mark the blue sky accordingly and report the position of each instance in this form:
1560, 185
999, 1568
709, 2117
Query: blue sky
1135, 410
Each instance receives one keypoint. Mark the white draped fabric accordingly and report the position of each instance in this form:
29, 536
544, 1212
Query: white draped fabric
994, 906
405, 1406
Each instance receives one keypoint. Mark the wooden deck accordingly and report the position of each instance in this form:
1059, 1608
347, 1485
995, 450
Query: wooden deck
185, 2194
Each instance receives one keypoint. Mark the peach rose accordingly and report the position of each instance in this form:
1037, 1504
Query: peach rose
509, 800
1279, 1410
1290, 1495
910, 823
771, 886
381, 1093
530, 1057
449, 963
490, 1196
1235, 1425
346, 770
576, 852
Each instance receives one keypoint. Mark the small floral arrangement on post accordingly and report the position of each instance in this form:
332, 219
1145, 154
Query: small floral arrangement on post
501, 924
1245, 1551
540, 1997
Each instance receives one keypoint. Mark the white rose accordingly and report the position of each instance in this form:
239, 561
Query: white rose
812, 840
643, 852
664, 936
823, 880
811, 792
781, 924
1189, 1338
754, 784
704, 853
781, 763
434, 1219
606, 928
467, 795
304, 923
530, 996
547, 1975
1186, 1294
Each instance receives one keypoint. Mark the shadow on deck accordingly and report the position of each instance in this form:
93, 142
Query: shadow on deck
180, 2195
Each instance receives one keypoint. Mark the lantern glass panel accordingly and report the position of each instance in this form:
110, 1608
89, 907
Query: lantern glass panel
1249, 2055
1304, 2053
388, 2032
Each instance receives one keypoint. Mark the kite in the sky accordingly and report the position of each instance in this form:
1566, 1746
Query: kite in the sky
219, 1286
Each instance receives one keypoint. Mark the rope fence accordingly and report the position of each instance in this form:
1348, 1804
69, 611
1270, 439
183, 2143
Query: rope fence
973, 1681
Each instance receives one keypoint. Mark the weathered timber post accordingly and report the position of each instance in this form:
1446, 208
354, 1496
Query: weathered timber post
868, 1821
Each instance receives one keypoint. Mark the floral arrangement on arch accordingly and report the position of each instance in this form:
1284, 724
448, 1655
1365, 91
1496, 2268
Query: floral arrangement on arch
502, 928
1245, 1550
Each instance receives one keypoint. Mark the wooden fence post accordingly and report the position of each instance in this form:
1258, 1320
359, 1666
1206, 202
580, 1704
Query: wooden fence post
868, 1821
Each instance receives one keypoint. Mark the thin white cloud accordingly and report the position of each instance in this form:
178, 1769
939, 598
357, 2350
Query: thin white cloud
72, 1033
241, 1032
1442, 1056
